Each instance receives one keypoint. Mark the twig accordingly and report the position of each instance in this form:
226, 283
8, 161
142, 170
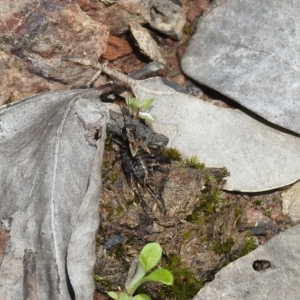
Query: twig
130, 82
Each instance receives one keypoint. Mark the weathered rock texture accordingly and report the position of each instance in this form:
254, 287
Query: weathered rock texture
50, 183
35, 35
241, 282
162, 15
256, 155
250, 53
291, 202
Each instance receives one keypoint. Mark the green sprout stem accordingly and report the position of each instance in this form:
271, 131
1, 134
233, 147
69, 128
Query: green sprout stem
148, 259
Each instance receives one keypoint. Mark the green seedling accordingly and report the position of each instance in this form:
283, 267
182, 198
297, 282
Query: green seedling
138, 108
148, 259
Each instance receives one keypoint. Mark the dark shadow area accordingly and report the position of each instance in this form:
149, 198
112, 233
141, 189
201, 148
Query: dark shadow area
69, 285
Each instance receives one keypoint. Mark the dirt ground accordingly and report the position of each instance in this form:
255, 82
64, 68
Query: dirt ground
201, 230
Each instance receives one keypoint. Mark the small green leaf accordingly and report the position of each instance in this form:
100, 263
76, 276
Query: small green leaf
132, 103
127, 100
141, 297
124, 296
145, 104
146, 116
150, 256
113, 295
119, 296
160, 275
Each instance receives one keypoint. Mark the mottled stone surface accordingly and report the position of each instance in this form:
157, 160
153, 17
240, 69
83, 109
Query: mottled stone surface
116, 48
162, 15
35, 35
50, 178
17, 82
240, 281
250, 54
291, 202
255, 154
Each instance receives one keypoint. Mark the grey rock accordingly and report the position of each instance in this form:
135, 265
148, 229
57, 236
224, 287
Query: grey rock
250, 53
256, 155
291, 202
260, 229
113, 241
166, 17
50, 182
240, 281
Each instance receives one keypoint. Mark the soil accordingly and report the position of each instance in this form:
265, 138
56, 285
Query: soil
201, 230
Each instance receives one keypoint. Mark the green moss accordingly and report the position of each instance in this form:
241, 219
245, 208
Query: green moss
185, 286
223, 247
209, 201
257, 202
172, 153
110, 212
250, 245
98, 241
268, 212
238, 211
105, 284
117, 251
119, 210
193, 162
188, 29
106, 164
186, 235
196, 217
97, 278
111, 177
107, 145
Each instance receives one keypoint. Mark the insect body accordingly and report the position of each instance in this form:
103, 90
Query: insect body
138, 162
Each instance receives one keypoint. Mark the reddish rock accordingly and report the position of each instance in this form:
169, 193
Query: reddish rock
17, 82
169, 42
87, 5
100, 81
116, 48
99, 297
179, 79
115, 16
198, 7
276, 214
220, 103
38, 35
181, 50
254, 215
162, 15
127, 64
